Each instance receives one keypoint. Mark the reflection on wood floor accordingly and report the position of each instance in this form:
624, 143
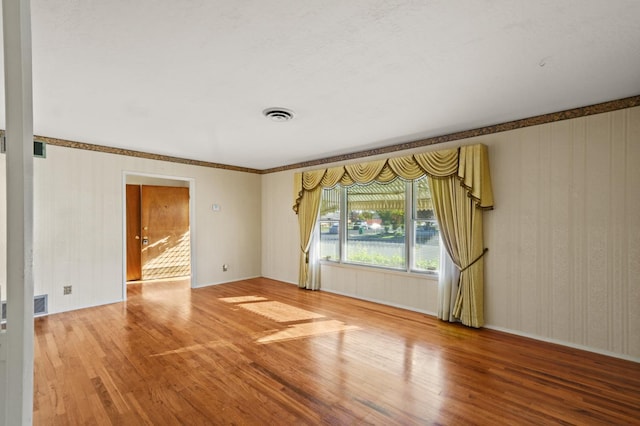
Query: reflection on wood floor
264, 352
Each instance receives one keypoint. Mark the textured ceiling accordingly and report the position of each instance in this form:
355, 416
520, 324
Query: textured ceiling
191, 78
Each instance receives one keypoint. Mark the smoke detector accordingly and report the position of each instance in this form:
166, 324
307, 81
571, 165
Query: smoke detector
278, 114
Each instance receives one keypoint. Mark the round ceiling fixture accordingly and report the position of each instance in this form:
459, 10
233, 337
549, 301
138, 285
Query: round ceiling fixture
278, 114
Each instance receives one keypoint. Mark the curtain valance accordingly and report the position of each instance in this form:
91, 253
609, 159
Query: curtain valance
469, 163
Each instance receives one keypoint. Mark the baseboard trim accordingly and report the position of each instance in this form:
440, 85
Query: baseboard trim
225, 282
381, 302
77, 308
564, 343
280, 280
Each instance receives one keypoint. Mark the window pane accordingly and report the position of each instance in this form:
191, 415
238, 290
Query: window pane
330, 224
426, 237
422, 207
426, 249
375, 232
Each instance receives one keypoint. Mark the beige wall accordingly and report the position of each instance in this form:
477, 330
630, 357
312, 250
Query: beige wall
78, 224
564, 237
280, 243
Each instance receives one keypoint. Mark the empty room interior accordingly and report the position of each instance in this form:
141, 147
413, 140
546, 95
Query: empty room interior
293, 212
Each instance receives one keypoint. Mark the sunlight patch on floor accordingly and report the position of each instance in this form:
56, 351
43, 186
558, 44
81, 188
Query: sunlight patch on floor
243, 299
309, 329
280, 312
192, 348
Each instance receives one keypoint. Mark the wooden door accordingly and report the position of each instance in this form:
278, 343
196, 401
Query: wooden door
165, 232
134, 265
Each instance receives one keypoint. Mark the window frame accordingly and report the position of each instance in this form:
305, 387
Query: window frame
410, 219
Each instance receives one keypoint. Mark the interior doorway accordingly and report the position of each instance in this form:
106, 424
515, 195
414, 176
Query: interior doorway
158, 228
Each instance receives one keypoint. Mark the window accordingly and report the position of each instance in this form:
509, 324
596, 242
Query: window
376, 224
373, 228
426, 234
330, 224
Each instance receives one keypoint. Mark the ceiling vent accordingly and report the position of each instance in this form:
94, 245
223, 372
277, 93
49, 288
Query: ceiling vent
278, 114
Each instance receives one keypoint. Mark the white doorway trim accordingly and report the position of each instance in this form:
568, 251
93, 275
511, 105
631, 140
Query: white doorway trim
192, 222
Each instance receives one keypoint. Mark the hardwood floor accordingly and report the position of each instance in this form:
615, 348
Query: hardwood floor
264, 352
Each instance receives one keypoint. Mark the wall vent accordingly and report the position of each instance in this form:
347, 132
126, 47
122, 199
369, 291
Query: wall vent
40, 306
39, 148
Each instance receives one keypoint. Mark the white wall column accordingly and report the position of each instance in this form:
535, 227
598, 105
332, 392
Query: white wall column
17, 343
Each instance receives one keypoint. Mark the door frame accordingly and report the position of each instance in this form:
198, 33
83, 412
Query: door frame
192, 221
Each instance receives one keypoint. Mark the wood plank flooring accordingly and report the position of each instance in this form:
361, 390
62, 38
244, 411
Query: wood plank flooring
264, 352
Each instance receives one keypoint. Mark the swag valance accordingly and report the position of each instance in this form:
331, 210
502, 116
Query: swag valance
468, 163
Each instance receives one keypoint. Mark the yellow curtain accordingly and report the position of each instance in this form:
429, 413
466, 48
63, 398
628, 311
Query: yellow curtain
458, 202
461, 187
307, 217
436, 163
474, 175
461, 232
365, 172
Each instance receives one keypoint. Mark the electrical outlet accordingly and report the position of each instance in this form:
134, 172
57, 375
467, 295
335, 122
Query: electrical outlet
66, 290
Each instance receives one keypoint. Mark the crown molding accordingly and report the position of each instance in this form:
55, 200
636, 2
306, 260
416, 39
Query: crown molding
600, 108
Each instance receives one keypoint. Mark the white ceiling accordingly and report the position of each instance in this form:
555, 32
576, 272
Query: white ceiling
191, 78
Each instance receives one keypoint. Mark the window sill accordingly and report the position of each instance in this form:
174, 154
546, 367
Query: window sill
432, 276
